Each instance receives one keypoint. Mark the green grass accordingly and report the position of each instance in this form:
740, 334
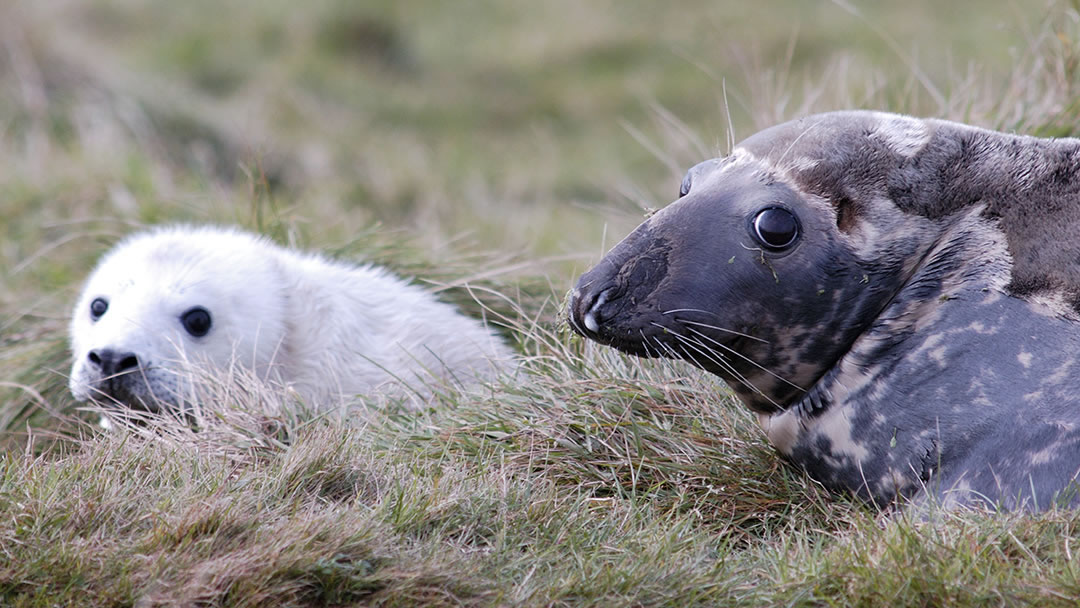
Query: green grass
490, 150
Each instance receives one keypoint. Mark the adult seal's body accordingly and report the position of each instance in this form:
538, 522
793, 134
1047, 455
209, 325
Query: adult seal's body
169, 299
895, 298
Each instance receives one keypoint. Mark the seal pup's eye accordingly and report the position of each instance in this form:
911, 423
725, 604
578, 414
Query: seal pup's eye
196, 321
776, 228
98, 308
684, 188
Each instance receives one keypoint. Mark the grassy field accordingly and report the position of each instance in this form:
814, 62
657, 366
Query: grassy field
493, 151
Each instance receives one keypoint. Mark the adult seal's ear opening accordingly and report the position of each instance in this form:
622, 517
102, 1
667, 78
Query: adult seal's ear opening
877, 287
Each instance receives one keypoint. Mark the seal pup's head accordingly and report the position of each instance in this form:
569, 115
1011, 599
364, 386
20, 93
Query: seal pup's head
167, 298
775, 259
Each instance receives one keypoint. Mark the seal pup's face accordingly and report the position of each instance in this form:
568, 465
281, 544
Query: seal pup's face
163, 301
747, 277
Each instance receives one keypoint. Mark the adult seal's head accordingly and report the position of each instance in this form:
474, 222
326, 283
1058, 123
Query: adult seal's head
848, 274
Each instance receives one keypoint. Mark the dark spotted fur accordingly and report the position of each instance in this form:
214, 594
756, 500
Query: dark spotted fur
918, 340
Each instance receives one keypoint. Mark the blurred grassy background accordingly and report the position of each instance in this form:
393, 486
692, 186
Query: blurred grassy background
440, 137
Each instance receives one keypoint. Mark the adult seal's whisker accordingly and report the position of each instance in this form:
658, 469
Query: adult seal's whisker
736, 353
722, 363
714, 327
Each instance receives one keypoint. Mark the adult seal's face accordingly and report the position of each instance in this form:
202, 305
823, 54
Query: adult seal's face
773, 260
736, 277
743, 276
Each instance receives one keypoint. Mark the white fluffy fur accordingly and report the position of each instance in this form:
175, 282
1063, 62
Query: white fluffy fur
327, 329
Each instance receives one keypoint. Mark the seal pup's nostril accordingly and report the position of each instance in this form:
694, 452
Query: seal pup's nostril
111, 363
126, 362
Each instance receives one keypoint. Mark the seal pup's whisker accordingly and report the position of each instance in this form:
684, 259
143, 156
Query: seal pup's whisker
713, 357
653, 347
702, 349
809, 129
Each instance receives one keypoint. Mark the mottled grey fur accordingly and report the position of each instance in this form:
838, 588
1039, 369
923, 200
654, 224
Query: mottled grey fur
918, 341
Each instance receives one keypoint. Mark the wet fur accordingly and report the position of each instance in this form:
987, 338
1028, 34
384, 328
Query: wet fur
918, 342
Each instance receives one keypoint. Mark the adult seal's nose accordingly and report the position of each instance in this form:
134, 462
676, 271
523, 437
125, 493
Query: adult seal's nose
614, 297
586, 308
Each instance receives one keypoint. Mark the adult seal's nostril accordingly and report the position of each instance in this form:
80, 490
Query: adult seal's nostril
605, 305
585, 309
592, 317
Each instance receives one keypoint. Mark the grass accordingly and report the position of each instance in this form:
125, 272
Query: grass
491, 151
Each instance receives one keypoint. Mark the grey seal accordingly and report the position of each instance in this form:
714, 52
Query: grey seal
894, 297
174, 300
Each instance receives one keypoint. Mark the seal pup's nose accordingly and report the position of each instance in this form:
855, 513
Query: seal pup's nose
111, 362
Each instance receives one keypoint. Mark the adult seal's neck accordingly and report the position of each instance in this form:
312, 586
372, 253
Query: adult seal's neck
777, 368
871, 424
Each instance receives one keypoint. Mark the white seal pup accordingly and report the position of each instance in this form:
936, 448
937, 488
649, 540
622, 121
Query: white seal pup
175, 296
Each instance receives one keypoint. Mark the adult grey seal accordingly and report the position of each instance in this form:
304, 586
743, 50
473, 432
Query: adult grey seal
895, 298
174, 297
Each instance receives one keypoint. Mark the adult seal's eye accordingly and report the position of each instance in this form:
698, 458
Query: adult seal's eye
775, 228
684, 188
98, 308
196, 321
